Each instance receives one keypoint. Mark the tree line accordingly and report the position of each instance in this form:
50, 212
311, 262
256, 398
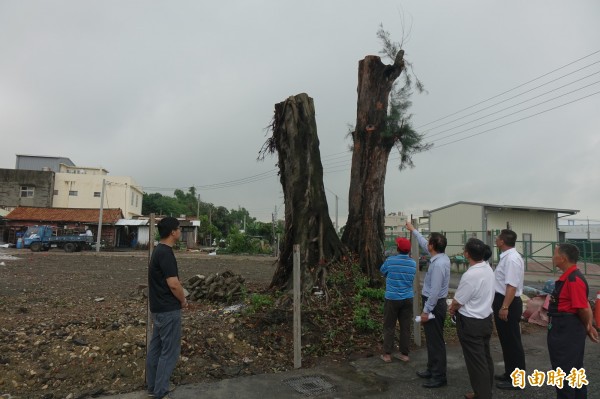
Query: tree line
216, 222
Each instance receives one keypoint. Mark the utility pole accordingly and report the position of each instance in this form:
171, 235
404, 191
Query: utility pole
210, 225
198, 208
588, 231
336, 214
100, 216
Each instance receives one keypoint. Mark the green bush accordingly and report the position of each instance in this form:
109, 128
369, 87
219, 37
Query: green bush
258, 301
372, 293
363, 322
361, 282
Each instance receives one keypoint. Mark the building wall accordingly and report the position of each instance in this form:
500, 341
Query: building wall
12, 181
541, 225
120, 192
580, 229
463, 221
81, 170
458, 217
394, 224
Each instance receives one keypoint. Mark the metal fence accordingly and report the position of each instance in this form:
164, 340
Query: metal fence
537, 255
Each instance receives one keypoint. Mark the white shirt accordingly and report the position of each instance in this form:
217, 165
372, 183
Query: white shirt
475, 291
510, 270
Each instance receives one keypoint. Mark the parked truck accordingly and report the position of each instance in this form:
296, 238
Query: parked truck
42, 238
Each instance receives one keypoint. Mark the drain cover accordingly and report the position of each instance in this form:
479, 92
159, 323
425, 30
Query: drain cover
310, 385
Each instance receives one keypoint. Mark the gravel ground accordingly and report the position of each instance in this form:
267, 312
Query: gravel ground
74, 325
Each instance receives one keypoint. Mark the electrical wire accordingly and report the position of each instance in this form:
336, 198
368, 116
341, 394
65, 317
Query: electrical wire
511, 106
518, 120
509, 90
516, 112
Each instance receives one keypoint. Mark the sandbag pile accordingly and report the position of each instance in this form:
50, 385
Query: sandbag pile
222, 287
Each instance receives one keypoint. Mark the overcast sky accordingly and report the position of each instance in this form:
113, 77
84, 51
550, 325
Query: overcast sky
178, 94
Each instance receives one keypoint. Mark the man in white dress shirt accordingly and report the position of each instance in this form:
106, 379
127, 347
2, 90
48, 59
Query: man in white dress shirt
508, 306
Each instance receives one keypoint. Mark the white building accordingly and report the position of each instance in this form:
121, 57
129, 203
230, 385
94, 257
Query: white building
394, 224
580, 229
81, 187
536, 227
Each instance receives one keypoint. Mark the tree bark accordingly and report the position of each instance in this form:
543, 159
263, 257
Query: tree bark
307, 220
364, 233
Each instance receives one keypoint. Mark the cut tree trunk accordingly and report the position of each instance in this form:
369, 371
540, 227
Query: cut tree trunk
364, 233
307, 220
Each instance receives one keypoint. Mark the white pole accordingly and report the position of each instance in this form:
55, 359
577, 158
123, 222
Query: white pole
414, 249
297, 310
100, 216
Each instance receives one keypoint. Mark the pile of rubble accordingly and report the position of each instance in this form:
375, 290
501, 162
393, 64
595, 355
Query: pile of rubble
224, 287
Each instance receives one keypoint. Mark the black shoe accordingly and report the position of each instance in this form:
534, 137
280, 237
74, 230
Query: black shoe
506, 385
424, 374
501, 377
435, 383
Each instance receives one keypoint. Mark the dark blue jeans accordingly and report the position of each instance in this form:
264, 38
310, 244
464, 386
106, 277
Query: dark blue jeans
163, 352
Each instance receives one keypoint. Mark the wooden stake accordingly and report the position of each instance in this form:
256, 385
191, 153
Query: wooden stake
148, 314
297, 310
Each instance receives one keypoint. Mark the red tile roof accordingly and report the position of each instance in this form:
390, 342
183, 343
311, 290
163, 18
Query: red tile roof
109, 216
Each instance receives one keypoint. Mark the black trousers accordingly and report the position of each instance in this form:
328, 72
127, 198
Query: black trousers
509, 334
401, 311
566, 346
474, 335
434, 334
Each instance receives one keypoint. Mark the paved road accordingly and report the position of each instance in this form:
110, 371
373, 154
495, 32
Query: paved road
371, 378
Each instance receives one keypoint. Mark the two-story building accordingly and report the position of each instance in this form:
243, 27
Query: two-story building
81, 187
71, 186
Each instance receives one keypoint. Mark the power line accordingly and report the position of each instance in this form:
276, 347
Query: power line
513, 97
516, 112
508, 91
518, 120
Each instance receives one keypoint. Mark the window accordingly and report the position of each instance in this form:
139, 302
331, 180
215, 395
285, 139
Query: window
136, 199
55, 192
97, 194
27, 191
73, 193
131, 199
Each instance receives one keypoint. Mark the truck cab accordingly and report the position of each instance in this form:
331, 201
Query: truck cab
37, 234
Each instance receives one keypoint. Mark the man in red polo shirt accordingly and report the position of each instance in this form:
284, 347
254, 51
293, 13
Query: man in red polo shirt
570, 319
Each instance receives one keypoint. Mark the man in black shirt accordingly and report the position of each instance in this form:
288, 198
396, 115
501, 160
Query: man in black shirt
167, 298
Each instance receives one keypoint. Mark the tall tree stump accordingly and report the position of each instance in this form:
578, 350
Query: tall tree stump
307, 220
373, 139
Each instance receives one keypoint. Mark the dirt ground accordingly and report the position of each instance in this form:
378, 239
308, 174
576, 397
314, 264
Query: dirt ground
74, 325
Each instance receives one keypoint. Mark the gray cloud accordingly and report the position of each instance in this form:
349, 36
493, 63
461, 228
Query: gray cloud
118, 84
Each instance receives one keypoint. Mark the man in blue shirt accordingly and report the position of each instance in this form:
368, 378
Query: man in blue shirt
435, 292
399, 272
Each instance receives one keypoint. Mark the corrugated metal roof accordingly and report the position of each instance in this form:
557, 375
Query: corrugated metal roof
518, 207
131, 222
85, 215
